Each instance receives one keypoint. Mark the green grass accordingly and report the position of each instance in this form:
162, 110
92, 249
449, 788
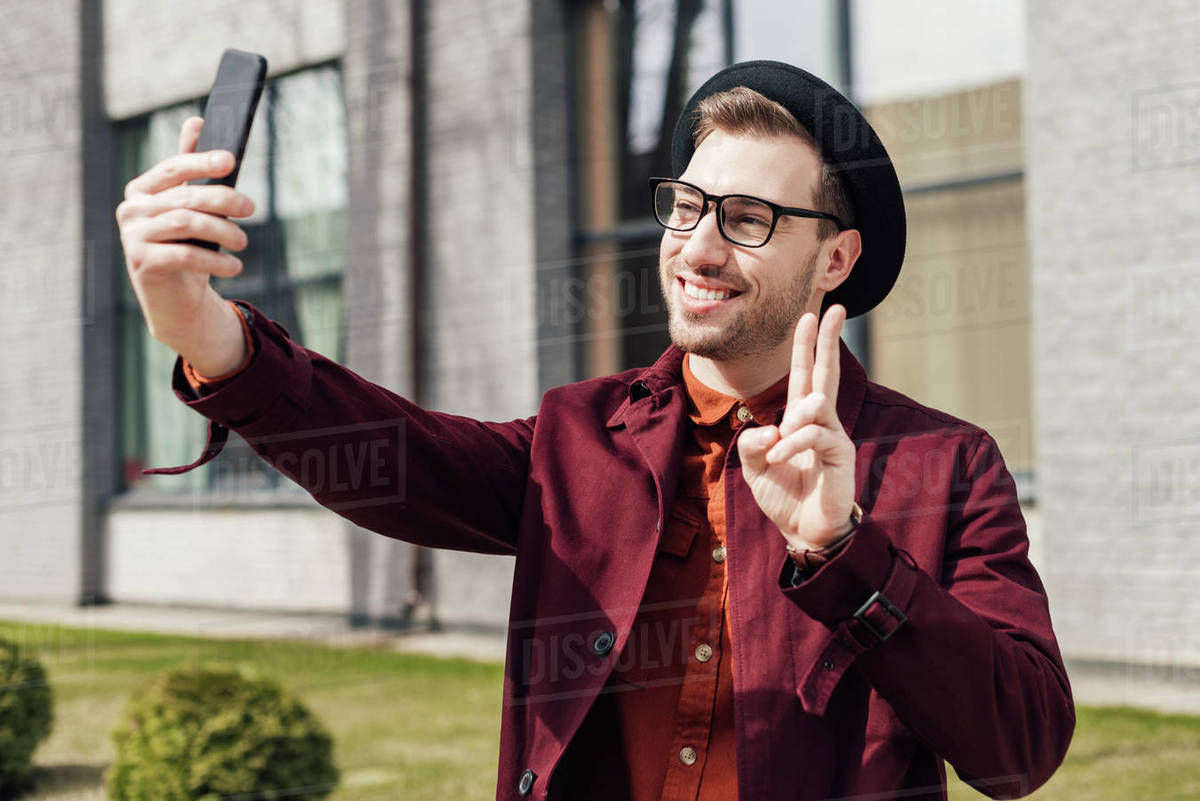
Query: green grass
1123, 754
412, 727
404, 726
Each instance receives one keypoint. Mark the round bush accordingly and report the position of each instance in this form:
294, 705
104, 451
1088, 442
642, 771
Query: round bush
26, 715
197, 734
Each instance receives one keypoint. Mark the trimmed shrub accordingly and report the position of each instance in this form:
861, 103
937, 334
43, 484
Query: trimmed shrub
197, 734
26, 715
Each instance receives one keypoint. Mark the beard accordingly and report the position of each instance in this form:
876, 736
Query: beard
753, 330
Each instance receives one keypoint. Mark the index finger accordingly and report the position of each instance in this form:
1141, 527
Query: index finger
827, 369
175, 170
800, 379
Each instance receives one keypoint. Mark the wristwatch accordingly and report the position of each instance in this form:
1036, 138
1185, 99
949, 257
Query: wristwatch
810, 559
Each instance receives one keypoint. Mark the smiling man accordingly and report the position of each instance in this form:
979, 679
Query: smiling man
745, 571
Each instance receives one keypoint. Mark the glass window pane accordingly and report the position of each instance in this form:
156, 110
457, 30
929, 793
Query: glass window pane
310, 143
293, 265
253, 175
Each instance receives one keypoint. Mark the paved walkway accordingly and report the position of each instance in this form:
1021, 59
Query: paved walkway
234, 624
1159, 688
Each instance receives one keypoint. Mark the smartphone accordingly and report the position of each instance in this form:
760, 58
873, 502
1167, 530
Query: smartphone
229, 113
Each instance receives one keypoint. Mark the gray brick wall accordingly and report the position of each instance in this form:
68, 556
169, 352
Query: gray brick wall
376, 72
1113, 161
483, 331
42, 307
481, 272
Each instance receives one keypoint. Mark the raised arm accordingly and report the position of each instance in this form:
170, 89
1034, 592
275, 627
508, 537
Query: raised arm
360, 450
368, 454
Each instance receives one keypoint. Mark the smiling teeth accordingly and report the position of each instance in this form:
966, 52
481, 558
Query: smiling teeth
693, 291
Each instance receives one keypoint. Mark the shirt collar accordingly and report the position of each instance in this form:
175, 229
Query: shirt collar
706, 406
666, 374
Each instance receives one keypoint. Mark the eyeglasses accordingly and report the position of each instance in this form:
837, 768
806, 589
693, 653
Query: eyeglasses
742, 219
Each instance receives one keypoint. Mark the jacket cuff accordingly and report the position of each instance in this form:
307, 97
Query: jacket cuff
271, 389
839, 587
202, 385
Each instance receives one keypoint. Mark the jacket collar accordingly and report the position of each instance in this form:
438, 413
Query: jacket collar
667, 372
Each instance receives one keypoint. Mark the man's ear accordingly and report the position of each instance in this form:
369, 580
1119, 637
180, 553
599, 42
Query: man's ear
841, 254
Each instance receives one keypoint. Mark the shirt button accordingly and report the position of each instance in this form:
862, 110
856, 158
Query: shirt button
719, 554
687, 755
743, 414
704, 652
603, 643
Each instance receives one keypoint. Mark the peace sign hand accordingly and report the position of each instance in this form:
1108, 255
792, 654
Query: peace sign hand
802, 472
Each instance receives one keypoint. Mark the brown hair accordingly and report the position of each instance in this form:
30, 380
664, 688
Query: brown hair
743, 111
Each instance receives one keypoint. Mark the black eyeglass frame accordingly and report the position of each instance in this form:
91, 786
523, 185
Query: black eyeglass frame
777, 211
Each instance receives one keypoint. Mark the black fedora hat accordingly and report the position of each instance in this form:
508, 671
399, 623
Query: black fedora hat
849, 145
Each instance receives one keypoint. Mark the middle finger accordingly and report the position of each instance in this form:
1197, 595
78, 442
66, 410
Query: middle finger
183, 224
212, 198
827, 367
181, 167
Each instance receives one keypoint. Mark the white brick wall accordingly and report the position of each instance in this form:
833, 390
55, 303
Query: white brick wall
269, 559
41, 301
484, 325
482, 271
165, 52
1113, 161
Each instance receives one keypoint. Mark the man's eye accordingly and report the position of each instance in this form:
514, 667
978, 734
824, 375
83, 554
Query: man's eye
749, 221
686, 205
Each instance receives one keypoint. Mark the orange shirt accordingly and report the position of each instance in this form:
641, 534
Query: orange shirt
670, 698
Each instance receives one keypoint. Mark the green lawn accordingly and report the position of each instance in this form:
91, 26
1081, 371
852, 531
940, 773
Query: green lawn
413, 727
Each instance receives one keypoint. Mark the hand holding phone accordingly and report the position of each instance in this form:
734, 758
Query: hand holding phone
162, 217
229, 113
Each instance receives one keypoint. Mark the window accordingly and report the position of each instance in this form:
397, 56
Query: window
295, 170
635, 65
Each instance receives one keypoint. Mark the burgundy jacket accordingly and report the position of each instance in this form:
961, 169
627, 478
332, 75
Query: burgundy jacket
927, 638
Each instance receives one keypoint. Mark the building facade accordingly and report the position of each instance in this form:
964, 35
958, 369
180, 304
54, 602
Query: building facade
451, 202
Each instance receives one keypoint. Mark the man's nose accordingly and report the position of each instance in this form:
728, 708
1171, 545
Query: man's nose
705, 245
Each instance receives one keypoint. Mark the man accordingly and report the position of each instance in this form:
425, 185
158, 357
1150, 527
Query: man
745, 571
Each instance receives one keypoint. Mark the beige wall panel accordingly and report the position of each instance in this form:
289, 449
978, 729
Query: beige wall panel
166, 52
954, 332
952, 136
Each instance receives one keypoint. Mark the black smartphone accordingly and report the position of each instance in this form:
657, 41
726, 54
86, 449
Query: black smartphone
229, 113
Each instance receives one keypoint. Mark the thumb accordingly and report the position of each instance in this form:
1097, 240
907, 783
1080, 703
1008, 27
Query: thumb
189, 134
754, 444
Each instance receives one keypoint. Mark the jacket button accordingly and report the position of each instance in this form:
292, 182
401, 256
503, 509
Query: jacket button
603, 643
526, 782
687, 755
